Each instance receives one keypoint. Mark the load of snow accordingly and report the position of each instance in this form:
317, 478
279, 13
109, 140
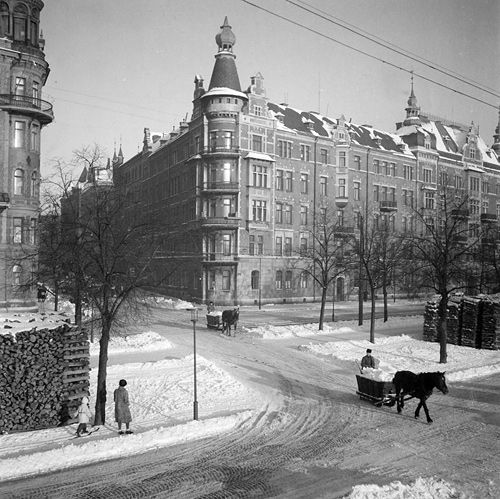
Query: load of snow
422, 488
143, 342
398, 353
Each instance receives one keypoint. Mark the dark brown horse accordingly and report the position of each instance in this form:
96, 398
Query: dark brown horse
419, 386
230, 318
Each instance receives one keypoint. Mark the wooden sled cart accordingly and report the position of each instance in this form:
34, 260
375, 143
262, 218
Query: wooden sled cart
377, 392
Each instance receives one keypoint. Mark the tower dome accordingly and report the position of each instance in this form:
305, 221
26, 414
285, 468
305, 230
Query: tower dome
225, 39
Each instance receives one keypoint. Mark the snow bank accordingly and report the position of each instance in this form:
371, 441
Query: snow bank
141, 342
422, 488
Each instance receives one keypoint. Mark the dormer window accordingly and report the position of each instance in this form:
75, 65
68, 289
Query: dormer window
427, 143
257, 110
472, 152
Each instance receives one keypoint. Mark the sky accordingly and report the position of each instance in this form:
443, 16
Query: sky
119, 66
161, 404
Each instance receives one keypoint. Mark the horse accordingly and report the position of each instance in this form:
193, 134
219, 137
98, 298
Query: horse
419, 386
230, 318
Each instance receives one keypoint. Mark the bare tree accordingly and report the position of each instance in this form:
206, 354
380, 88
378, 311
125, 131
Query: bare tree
326, 254
441, 251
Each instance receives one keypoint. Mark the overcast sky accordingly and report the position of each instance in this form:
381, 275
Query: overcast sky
118, 66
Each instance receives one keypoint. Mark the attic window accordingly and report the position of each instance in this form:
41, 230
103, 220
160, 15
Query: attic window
427, 143
472, 153
257, 110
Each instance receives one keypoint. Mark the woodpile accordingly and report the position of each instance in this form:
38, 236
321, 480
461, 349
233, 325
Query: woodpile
471, 321
44, 374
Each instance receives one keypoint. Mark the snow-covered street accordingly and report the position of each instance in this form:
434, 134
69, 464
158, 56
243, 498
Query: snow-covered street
276, 402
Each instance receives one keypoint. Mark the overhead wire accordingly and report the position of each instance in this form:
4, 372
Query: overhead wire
371, 56
390, 46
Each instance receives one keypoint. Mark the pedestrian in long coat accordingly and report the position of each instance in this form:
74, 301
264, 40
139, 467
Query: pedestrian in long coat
122, 409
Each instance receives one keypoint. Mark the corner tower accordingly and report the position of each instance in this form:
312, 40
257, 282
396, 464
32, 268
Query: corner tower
23, 114
413, 110
221, 171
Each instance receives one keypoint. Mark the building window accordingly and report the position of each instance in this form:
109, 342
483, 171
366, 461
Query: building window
17, 272
32, 234
340, 218
303, 280
226, 280
472, 152
304, 182
251, 245
257, 110
429, 200
392, 169
376, 193
260, 245
303, 215
284, 149
392, 194
212, 141
357, 162
36, 93
34, 183
226, 244
227, 140
260, 176
357, 191
20, 23
20, 89
358, 219
323, 181
4, 19
279, 213
474, 184
19, 133
255, 279
259, 210
279, 246
288, 214
17, 233
485, 187
288, 279
342, 159
288, 182
305, 152
376, 166
19, 181
474, 206
279, 180
324, 156
279, 279
303, 246
408, 172
341, 188
35, 143
257, 143
427, 174
288, 246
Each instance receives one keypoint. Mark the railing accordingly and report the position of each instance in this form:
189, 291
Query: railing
386, 205
38, 107
341, 201
344, 230
215, 256
220, 186
219, 221
460, 214
488, 217
221, 149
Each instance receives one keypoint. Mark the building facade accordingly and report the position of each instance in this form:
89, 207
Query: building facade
23, 114
239, 185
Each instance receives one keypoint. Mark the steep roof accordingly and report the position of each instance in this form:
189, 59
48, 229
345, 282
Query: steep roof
225, 74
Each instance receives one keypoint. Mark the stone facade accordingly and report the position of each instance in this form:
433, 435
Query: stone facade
23, 114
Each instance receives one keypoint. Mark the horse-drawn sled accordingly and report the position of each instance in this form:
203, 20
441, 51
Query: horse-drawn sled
214, 320
404, 386
223, 320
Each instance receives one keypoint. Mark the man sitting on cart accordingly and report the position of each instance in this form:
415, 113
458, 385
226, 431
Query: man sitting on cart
368, 360
210, 307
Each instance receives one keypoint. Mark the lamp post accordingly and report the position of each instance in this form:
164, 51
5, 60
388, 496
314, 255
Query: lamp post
194, 318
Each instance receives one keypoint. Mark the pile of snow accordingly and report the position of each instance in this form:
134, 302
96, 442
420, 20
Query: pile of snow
422, 488
14, 322
377, 374
169, 303
397, 353
142, 342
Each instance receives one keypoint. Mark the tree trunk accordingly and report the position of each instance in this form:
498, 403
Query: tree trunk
372, 316
100, 403
384, 291
441, 327
323, 305
333, 304
56, 296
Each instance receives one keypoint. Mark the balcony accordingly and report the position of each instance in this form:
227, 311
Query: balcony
344, 231
460, 239
221, 150
229, 222
217, 187
217, 258
489, 241
488, 218
36, 108
341, 201
460, 214
4, 201
388, 206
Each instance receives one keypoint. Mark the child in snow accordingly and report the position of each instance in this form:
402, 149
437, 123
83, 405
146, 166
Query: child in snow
84, 416
122, 410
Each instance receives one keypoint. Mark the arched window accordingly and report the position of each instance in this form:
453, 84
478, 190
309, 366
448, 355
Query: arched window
20, 22
16, 275
4, 19
34, 183
18, 181
255, 279
35, 15
279, 279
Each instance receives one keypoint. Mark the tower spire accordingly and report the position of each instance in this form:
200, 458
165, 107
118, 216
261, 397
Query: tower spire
496, 136
413, 110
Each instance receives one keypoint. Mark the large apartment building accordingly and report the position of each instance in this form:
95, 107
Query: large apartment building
23, 114
239, 183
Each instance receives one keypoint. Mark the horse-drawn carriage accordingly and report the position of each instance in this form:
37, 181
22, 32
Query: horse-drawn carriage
223, 320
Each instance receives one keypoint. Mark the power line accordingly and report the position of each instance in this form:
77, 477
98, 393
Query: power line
393, 47
368, 55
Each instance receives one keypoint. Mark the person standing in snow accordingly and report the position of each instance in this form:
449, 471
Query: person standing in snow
84, 415
122, 410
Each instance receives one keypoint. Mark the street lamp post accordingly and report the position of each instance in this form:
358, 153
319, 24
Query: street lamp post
194, 318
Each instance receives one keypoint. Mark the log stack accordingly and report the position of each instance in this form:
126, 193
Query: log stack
489, 325
431, 321
453, 322
470, 313
43, 373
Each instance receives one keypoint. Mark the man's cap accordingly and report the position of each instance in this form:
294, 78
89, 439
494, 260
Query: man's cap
368, 350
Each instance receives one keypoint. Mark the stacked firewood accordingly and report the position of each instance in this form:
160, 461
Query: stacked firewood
490, 324
431, 321
41, 376
470, 312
